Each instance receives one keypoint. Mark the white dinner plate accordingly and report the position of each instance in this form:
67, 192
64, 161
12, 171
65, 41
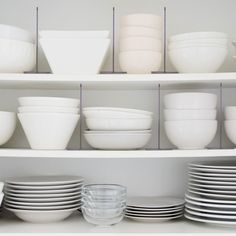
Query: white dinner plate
212, 195
154, 216
218, 175
216, 191
223, 179
153, 220
215, 165
211, 170
154, 212
204, 186
210, 182
154, 209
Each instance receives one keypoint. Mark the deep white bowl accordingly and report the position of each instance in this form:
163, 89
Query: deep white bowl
199, 59
140, 62
191, 134
48, 101
190, 101
75, 56
181, 114
48, 109
48, 131
230, 129
16, 56
230, 113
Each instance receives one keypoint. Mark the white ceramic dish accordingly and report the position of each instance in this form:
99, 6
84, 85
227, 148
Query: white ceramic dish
213, 187
201, 40
213, 175
214, 191
212, 170
153, 219
173, 46
214, 182
215, 164
160, 209
161, 212
230, 113
48, 109
154, 215
75, 56
190, 100
210, 178
230, 128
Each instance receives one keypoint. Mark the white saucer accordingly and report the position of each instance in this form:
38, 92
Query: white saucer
153, 220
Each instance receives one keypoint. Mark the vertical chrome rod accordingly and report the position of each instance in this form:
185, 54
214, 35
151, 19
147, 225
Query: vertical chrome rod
159, 118
37, 40
113, 38
81, 116
165, 38
220, 116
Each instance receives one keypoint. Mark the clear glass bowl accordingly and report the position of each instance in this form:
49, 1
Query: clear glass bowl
111, 199
103, 204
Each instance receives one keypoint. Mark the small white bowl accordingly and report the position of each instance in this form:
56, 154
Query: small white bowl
49, 101
140, 43
191, 134
190, 101
140, 62
230, 130
48, 109
181, 114
230, 113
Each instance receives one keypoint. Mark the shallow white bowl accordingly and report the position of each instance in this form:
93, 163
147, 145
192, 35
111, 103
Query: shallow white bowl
181, 114
140, 62
140, 43
173, 46
199, 59
48, 109
191, 134
75, 56
201, 40
230, 113
190, 100
48, 131
230, 129
49, 101
16, 56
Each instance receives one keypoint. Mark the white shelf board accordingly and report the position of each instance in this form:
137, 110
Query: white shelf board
29, 153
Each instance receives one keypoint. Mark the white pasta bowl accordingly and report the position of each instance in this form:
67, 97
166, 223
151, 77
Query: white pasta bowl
47, 109
191, 134
190, 100
230, 129
48, 131
75, 56
230, 113
16, 56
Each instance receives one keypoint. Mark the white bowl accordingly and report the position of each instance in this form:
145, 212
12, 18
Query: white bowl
75, 56
201, 40
48, 109
117, 140
16, 56
15, 33
48, 131
181, 114
199, 59
68, 34
119, 124
140, 43
147, 20
230, 113
191, 134
173, 46
230, 130
140, 62
139, 31
8, 125
49, 101
190, 101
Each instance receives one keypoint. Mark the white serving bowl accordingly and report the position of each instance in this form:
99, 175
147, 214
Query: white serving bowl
191, 134
181, 114
230, 113
117, 124
140, 62
48, 131
48, 109
190, 100
173, 46
16, 56
75, 56
230, 129
117, 140
15, 33
49, 101
199, 59
146, 20
201, 40
140, 31
8, 125
140, 43
69, 34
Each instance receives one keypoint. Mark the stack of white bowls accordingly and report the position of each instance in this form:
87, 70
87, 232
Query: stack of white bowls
117, 128
17, 50
198, 52
48, 122
190, 119
75, 52
140, 43
230, 123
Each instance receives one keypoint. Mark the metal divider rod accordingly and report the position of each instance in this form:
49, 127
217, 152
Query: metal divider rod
37, 40
164, 38
113, 38
221, 116
159, 118
81, 115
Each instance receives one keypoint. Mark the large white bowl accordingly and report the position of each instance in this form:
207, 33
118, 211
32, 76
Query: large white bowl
48, 131
48, 109
230, 113
49, 101
140, 62
75, 56
173, 46
8, 125
199, 59
191, 134
181, 114
117, 140
16, 56
190, 100
140, 43
230, 129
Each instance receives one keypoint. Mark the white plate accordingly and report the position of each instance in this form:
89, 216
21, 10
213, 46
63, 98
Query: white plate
154, 215
203, 186
151, 211
210, 182
153, 220
211, 170
217, 175
214, 178
216, 191
215, 165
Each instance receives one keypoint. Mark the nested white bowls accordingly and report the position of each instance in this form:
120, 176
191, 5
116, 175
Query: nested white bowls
140, 31
48, 109
230, 113
230, 129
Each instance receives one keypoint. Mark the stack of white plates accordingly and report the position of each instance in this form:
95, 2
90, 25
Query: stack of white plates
211, 196
154, 209
117, 128
43, 199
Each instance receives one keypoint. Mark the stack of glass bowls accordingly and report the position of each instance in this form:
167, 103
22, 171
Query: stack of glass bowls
103, 204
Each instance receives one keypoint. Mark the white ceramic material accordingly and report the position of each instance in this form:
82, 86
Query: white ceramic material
214, 164
48, 109
140, 62
75, 56
230, 129
230, 113
154, 219
49, 131
154, 212
190, 100
16, 56
181, 114
201, 40
191, 134
173, 46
